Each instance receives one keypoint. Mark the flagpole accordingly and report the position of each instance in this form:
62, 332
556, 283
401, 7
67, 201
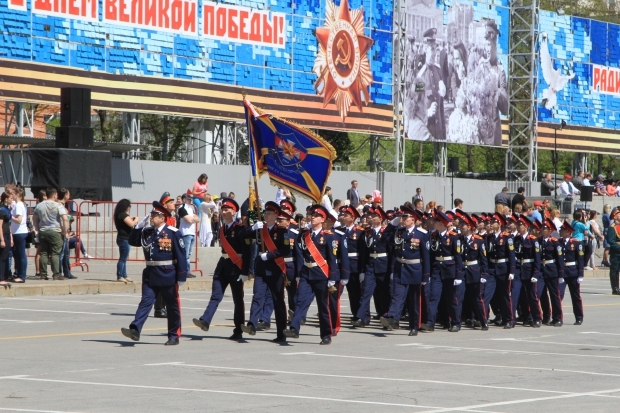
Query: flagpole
253, 170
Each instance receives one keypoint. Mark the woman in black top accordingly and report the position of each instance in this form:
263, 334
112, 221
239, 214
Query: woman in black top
124, 224
5, 235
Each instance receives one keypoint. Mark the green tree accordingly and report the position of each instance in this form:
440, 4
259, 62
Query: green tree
152, 131
341, 142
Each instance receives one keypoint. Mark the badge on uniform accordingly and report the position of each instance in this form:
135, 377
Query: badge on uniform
458, 246
286, 241
559, 250
335, 247
501, 241
572, 247
322, 241
511, 245
344, 241
475, 246
165, 243
537, 246
580, 249
275, 236
447, 241
354, 235
181, 243
428, 245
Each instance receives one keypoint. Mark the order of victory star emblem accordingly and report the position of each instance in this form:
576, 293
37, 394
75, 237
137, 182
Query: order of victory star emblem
342, 64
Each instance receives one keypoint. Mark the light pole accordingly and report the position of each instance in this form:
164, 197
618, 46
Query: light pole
555, 156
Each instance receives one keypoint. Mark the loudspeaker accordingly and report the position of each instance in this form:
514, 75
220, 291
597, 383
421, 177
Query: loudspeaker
74, 137
75, 107
453, 164
586, 193
87, 174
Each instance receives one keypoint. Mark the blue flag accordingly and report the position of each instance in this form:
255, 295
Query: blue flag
294, 157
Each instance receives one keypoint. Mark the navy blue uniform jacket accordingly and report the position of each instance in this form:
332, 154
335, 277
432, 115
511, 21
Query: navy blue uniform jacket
236, 237
474, 250
324, 243
412, 245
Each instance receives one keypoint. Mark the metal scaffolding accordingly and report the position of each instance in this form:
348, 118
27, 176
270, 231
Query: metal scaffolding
227, 140
400, 55
522, 153
19, 117
131, 132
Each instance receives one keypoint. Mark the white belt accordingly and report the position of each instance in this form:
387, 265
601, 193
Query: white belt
471, 262
444, 258
311, 264
378, 255
545, 262
499, 261
404, 261
288, 259
157, 263
353, 254
570, 264
525, 261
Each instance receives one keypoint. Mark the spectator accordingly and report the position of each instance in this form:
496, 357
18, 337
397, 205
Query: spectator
578, 180
282, 194
63, 198
215, 228
547, 186
326, 201
377, 202
599, 186
567, 189
353, 195
587, 180
417, 196
124, 224
440, 208
208, 211
187, 226
368, 200
50, 221
19, 216
5, 236
595, 238
518, 209
37, 256
431, 206
555, 217
611, 189
231, 195
179, 200
579, 227
618, 188
606, 225
534, 212
503, 198
506, 211
418, 205
519, 198
201, 187
458, 204
337, 204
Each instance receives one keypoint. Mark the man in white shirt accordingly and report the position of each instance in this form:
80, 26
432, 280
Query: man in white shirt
187, 225
567, 188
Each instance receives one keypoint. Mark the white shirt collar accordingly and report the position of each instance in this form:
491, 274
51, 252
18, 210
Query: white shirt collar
351, 227
160, 228
444, 233
316, 232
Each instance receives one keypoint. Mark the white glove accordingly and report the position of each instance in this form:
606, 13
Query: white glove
391, 276
344, 282
144, 222
257, 225
442, 88
430, 112
561, 281
181, 283
362, 275
242, 278
534, 280
458, 282
423, 283
297, 280
511, 277
483, 280
331, 284
579, 280
263, 256
395, 221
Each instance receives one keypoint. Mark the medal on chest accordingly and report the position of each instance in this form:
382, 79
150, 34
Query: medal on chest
165, 243
448, 241
335, 247
322, 241
354, 235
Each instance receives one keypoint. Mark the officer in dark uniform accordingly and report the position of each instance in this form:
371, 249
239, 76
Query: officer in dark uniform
269, 269
231, 269
166, 270
289, 208
357, 252
501, 258
168, 202
446, 266
342, 258
613, 239
553, 270
475, 267
515, 283
412, 268
529, 272
318, 271
573, 270
375, 274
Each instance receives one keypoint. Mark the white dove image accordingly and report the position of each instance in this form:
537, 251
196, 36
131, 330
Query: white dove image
553, 77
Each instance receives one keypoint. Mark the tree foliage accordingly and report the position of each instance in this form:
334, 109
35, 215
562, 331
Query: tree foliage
341, 142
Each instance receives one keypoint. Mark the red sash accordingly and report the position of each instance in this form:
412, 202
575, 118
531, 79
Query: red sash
236, 259
271, 247
316, 255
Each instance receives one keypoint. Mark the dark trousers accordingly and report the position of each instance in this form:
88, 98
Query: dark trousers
432, 291
307, 290
374, 287
333, 302
268, 307
543, 297
272, 285
160, 303
532, 310
354, 289
170, 295
474, 295
19, 253
399, 298
454, 295
4, 254
503, 294
220, 283
489, 288
575, 296
614, 264
414, 305
291, 292
554, 296
515, 294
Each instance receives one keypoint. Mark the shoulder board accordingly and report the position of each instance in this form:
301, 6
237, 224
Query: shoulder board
360, 228
382, 229
532, 237
338, 232
328, 232
552, 239
506, 233
452, 233
294, 231
476, 236
292, 223
173, 229
422, 230
574, 239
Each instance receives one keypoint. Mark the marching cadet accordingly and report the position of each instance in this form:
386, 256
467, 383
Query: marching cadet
231, 269
168, 202
375, 274
501, 258
613, 239
269, 270
475, 268
318, 271
288, 207
515, 283
446, 273
165, 272
342, 258
553, 270
573, 270
411, 269
356, 247
530, 261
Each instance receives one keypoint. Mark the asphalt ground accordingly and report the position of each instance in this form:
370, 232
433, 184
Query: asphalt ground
66, 354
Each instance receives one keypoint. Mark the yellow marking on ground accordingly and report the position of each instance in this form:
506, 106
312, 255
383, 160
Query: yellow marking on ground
90, 333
